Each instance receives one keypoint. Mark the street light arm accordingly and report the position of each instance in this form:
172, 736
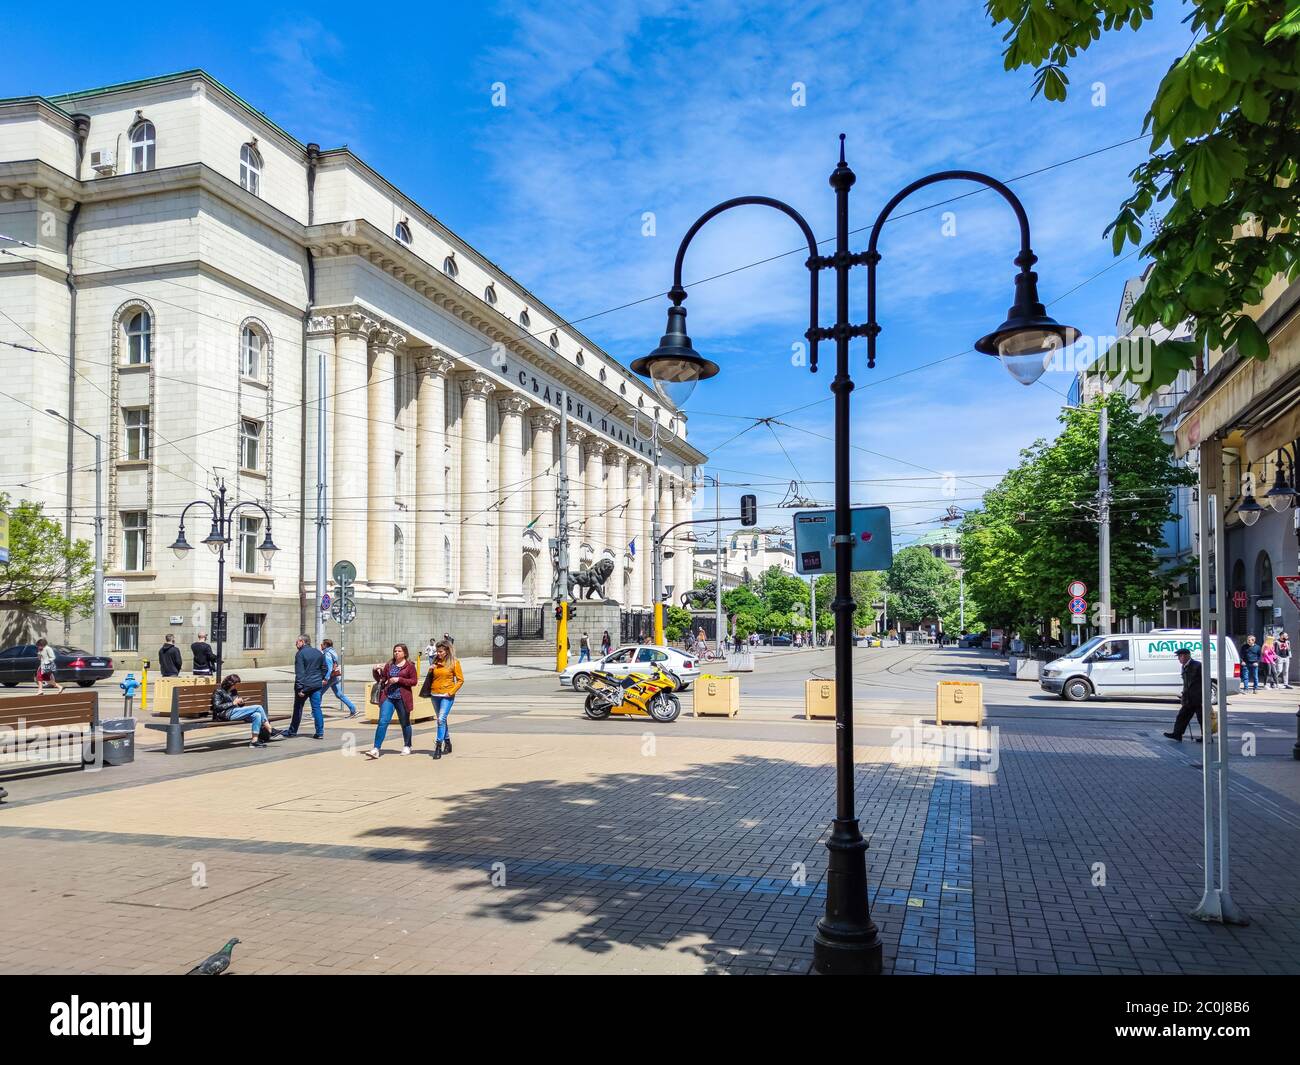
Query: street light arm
197, 503
677, 293
1024, 260
230, 515
694, 521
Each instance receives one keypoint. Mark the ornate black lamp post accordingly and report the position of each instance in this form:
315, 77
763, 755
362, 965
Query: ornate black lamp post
846, 940
217, 539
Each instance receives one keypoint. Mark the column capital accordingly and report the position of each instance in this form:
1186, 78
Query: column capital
544, 420
616, 456
434, 363
476, 384
385, 336
322, 325
577, 436
596, 446
513, 403
357, 323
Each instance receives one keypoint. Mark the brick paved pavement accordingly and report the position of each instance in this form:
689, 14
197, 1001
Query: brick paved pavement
702, 855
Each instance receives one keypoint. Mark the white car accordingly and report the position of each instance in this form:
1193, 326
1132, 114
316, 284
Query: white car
634, 658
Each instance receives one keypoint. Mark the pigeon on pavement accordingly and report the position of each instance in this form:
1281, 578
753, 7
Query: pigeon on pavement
216, 964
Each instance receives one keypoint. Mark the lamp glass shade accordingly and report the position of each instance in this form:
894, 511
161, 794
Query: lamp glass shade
181, 547
1249, 517
675, 367
214, 539
267, 548
1281, 495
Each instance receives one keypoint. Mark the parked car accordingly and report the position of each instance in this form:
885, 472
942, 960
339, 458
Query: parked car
780, 640
634, 658
971, 639
71, 665
1141, 664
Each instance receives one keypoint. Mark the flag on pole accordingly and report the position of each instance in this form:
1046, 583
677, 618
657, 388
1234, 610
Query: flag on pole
533, 522
631, 547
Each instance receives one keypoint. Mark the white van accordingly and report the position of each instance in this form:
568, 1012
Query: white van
1133, 664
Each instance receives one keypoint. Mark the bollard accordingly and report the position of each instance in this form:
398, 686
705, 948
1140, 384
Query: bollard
144, 685
129, 688
1295, 751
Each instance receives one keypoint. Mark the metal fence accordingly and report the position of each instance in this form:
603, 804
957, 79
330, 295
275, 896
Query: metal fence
635, 626
524, 622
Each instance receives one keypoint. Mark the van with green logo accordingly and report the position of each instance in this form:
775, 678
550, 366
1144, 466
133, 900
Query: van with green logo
1141, 665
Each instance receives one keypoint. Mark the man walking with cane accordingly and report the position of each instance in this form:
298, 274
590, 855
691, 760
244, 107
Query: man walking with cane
1191, 699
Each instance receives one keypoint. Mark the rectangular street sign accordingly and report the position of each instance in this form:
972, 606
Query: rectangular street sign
218, 626
814, 551
115, 594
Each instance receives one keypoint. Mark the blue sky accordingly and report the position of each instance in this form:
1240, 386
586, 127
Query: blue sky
615, 110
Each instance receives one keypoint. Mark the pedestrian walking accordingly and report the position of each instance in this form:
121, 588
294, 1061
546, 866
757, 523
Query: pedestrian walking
584, 648
169, 657
441, 684
1268, 663
334, 675
429, 649
228, 705
1250, 655
1190, 701
394, 679
606, 645
309, 678
203, 658
1283, 649
45, 667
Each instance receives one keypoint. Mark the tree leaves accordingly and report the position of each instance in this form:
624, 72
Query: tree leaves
40, 563
1225, 140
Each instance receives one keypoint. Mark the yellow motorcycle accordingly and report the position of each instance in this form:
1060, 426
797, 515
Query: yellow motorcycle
635, 695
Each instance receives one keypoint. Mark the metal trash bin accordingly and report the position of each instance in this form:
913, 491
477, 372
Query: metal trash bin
116, 742
500, 641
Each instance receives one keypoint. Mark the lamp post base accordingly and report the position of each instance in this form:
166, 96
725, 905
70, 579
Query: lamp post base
847, 943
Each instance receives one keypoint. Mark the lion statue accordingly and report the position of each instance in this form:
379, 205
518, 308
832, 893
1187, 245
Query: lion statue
700, 596
592, 580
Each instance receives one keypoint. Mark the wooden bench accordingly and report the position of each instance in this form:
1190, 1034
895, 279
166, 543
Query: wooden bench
59, 714
192, 710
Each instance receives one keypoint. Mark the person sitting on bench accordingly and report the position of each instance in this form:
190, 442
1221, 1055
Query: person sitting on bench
229, 706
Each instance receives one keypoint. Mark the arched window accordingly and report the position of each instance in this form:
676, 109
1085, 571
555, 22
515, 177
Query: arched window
524, 318
449, 266
1264, 575
250, 169
139, 338
578, 357
490, 294
555, 341
403, 233
446, 561
1239, 598
143, 144
399, 556
251, 345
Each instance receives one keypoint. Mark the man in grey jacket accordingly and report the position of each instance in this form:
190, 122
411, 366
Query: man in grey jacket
310, 674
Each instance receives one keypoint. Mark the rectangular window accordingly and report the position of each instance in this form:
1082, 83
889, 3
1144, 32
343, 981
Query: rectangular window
250, 444
126, 632
250, 531
254, 626
136, 423
251, 354
135, 539
397, 474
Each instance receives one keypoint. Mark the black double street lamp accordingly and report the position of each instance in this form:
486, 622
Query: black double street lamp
217, 540
846, 939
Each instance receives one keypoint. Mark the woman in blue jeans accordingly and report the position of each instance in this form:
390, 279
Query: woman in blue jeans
334, 675
395, 679
442, 682
228, 706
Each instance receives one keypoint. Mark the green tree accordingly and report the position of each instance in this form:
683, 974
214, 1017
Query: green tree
41, 562
867, 588
677, 623
1225, 141
742, 600
921, 586
1036, 530
782, 591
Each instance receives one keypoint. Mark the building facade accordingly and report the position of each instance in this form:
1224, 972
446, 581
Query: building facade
180, 272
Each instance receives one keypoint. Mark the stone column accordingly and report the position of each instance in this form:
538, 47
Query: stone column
636, 481
348, 494
577, 497
544, 423
474, 522
666, 519
431, 502
595, 498
515, 496
616, 520
381, 489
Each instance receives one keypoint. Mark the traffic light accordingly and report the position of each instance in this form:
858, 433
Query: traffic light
748, 510
559, 613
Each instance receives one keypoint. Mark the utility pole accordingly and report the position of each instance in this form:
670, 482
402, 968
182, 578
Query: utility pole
717, 568
560, 591
812, 583
322, 459
961, 583
1103, 511
657, 555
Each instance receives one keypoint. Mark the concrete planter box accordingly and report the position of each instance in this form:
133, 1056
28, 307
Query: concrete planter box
1024, 668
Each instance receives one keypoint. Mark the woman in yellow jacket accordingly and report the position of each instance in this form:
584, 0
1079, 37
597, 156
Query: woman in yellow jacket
441, 684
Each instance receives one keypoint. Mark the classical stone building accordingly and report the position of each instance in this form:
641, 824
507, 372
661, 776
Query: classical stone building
177, 269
